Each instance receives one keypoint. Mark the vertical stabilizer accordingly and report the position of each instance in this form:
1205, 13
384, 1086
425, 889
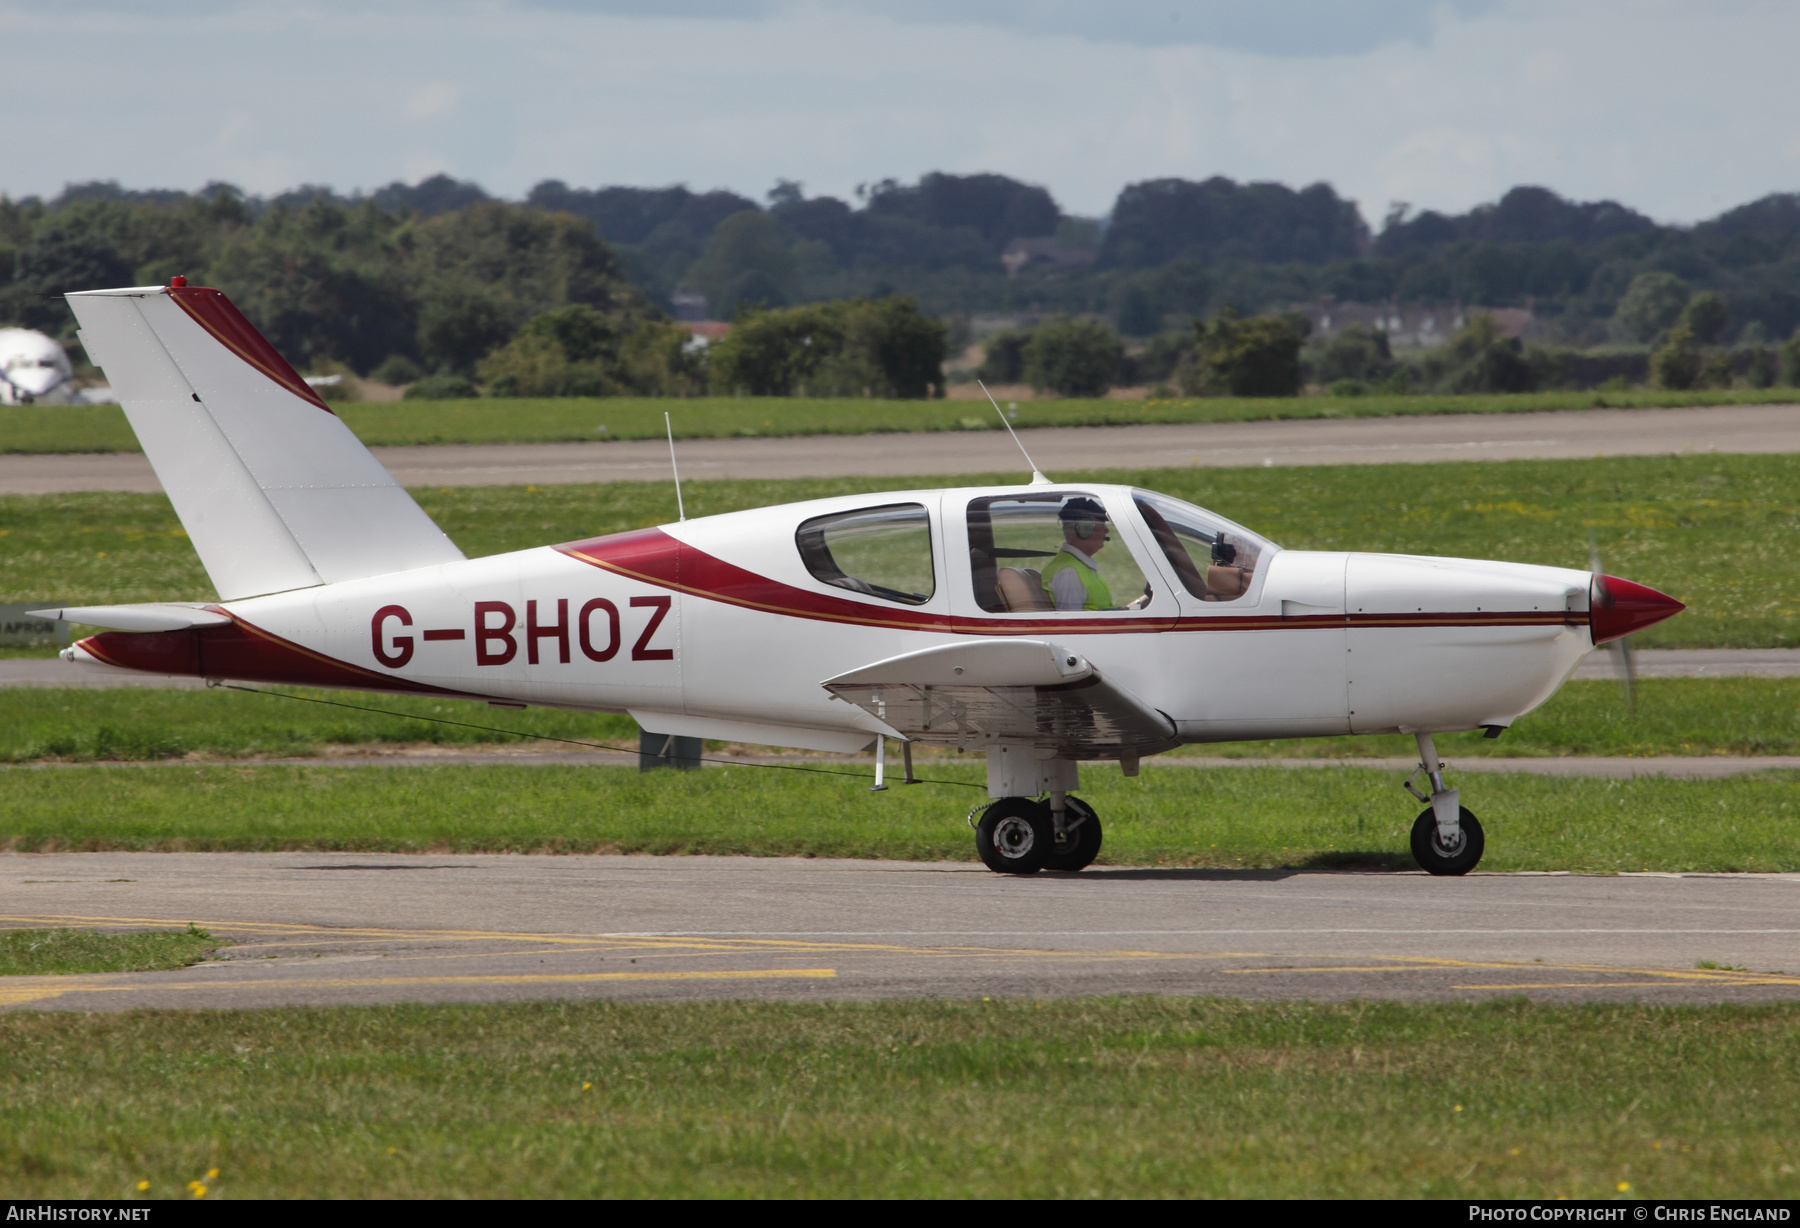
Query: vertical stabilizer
273, 489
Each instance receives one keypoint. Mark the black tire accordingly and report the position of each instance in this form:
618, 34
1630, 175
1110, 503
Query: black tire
1430, 853
1081, 845
1014, 836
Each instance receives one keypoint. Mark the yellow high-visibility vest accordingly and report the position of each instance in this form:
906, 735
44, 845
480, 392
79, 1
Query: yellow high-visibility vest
1099, 596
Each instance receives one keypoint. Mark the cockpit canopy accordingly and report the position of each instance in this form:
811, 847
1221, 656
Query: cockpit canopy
1035, 549
1048, 550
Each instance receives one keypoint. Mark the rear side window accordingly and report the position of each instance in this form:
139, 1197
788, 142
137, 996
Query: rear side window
879, 551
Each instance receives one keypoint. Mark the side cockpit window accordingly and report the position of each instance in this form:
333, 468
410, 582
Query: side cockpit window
878, 551
1050, 551
1215, 559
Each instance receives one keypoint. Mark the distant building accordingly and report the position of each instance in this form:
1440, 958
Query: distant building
1022, 252
1413, 327
688, 307
704, 332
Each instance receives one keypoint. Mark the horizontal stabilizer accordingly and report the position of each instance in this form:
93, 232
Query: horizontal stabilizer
970, 695
273, 489
149, 616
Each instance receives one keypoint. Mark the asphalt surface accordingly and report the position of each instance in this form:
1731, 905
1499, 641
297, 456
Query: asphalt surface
1416, 440
313, 928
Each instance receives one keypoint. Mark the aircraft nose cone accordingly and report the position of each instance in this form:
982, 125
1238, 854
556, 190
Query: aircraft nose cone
1619, 607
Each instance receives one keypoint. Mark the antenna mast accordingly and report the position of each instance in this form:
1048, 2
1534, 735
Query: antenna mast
673, 468
1037, 479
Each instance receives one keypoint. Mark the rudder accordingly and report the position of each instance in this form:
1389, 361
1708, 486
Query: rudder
273, 489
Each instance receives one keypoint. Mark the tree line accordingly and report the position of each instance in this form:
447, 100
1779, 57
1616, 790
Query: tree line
440, 279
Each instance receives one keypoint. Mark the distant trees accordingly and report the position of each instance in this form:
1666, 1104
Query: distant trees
1523, 215
441, 276
1072, 358
1246, 357
1003, 357
460, 322
1706, 317
747, 265
1479, 358
1678, 362
1164, 355
1358, 352
995, 207
1651, 303
578, 351
859, 347
1162, 220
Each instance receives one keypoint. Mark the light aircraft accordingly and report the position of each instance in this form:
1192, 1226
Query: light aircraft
33, 369
1042, 624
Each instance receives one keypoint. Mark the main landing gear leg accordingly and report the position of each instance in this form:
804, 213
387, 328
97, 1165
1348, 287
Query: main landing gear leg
1446, 839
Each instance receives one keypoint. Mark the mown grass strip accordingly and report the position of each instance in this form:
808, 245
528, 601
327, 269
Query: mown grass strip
1227, 817
1673, 716
102, 428
1138, 1097
127, 725
1718, 532
64, 952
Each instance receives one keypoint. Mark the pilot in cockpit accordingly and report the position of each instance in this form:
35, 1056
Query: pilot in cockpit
1072, 577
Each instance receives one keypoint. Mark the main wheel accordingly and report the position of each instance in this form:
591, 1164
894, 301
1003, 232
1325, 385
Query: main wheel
1436, 857
1014, 836
1080, 843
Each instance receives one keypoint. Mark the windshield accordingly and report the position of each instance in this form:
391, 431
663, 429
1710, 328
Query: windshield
1215, 558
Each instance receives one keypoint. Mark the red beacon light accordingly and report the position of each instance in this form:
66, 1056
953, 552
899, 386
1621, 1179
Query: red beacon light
177, 281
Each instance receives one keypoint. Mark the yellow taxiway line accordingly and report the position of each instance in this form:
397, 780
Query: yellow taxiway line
39, 989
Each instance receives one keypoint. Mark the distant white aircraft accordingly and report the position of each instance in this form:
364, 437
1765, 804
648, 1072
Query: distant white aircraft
34, 370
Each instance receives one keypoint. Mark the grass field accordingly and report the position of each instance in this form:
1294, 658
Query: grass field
1056, 1099
1226, 817
65, 952
102, 428
1718, 532
1674, 716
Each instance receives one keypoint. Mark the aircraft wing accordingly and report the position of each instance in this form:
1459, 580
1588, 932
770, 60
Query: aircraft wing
975, 694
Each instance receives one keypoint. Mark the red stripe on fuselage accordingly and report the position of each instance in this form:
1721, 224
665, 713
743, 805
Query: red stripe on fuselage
246, 653
652, 556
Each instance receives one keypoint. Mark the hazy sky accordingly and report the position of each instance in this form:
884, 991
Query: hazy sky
1677, 109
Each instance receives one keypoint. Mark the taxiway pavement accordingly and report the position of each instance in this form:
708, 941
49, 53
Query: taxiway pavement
312, 928
1419, 439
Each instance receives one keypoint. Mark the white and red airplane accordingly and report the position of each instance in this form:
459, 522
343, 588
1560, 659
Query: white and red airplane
1041, 624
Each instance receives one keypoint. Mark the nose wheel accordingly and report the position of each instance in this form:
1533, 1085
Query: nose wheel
1446, 839
1447, 853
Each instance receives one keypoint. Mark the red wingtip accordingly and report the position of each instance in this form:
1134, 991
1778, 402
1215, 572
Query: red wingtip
1619, 607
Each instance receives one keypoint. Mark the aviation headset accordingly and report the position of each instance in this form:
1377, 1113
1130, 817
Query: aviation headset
1084, 515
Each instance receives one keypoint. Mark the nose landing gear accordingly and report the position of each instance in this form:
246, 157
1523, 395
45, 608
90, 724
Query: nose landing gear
1446, 839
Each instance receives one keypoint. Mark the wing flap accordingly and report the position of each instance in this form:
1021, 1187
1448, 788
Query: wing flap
1021, 692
